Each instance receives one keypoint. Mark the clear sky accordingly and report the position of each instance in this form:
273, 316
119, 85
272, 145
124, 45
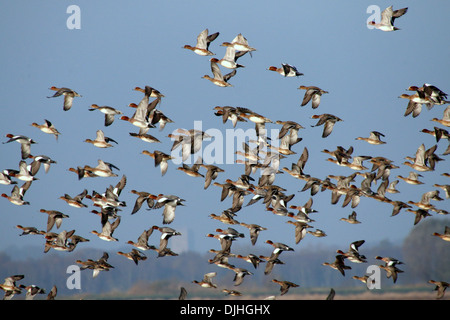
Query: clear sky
121, 45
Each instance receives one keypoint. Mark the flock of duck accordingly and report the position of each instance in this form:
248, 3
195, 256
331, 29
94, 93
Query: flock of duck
265, 157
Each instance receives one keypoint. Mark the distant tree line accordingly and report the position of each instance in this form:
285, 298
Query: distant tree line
425, 257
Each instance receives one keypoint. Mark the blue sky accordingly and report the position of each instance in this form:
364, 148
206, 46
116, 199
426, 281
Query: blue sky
121, 46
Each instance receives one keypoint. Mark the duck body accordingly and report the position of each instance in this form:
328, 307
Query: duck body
388, 17
204, 39
68, 94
